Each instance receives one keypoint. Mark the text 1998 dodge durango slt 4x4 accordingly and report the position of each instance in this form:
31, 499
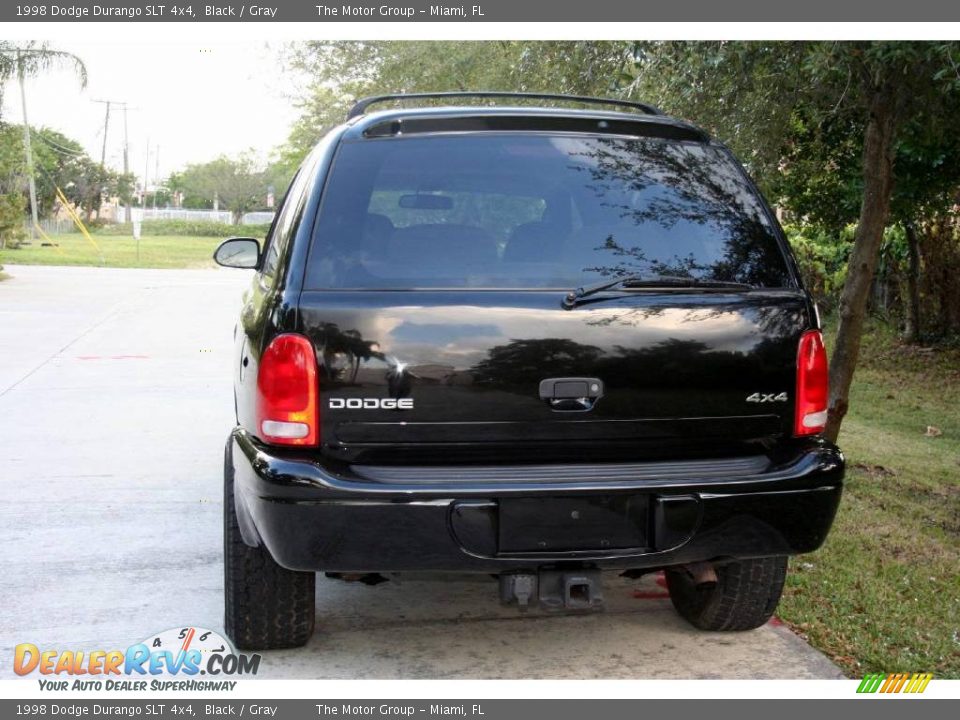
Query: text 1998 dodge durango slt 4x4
531, 342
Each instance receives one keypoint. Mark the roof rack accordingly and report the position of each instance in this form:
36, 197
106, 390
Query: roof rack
361, 105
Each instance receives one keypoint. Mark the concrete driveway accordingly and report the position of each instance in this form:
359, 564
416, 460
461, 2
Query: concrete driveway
115, 401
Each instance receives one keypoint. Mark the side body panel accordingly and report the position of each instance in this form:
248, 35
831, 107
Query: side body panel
270, 302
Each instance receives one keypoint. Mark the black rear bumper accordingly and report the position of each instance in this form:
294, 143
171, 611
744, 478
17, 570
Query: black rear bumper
311, 518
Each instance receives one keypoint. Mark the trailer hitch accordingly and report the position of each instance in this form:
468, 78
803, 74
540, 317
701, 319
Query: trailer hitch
554, 590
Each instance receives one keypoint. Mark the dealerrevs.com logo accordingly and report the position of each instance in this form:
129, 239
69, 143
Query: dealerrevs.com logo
171, 660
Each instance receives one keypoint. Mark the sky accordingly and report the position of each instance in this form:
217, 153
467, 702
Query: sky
193, 102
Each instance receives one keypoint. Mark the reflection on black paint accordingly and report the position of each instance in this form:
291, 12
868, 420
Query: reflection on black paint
527, 362
330, 341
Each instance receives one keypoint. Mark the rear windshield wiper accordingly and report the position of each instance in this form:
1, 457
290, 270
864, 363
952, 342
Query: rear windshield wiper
650, 281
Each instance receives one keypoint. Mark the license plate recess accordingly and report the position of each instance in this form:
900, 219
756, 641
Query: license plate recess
567, 524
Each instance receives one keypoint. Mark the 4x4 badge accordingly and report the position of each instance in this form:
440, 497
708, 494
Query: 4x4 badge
767, 397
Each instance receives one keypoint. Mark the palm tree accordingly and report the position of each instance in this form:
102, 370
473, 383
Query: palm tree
31, 59
26, 61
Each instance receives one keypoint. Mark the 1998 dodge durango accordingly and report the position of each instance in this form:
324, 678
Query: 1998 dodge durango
531, 342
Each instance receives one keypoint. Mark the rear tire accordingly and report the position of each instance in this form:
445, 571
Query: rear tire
266, 606
744, 597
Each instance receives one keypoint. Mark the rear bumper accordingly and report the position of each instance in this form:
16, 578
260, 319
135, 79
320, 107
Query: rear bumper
310, 518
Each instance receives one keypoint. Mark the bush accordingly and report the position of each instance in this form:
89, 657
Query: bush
11, 220
193, 228
96, 224
822, 257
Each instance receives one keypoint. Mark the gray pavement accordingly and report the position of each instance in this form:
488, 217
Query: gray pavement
115, 401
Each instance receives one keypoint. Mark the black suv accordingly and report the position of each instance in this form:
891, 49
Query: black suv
531, 342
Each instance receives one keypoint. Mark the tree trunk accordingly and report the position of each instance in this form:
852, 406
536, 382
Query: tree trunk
878, 151
912, 331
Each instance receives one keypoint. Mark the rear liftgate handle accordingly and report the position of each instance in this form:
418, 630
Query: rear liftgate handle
571, 394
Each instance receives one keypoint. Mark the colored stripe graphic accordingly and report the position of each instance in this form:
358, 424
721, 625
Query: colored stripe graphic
871, 683
895, 683
922, 680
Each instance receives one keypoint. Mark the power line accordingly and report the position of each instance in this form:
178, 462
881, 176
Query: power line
58, 147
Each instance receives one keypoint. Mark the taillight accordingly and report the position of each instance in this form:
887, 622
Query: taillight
287, 392
812, 387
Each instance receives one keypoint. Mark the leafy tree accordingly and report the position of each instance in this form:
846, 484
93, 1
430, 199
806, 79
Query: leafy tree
187, 189
59, 162
237, 185
89, 182
12, 182
521, 362
279, 174
341, 72
161, 197
22, 62
821, 177
892, 106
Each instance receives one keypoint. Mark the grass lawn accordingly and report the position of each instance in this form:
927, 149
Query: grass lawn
883, 594
162, 251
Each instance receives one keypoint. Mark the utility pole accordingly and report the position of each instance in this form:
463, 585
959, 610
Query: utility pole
126, 144
106, 126
29, 152
146, 170
156, 175
126, 163
143, 205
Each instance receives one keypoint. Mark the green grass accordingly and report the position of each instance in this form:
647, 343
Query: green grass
883, 594
163, 251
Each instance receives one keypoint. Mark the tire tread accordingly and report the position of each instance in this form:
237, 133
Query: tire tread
266, 606
745, 596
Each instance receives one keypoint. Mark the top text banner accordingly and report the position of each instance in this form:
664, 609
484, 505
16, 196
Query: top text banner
482, 11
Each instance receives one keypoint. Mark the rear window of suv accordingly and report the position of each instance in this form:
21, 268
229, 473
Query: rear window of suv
537, 211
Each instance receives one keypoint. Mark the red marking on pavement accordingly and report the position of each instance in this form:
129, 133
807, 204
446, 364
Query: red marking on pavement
661, 580
650, 595
776, 622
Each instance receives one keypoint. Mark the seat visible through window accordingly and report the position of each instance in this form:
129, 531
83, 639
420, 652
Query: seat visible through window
441, 245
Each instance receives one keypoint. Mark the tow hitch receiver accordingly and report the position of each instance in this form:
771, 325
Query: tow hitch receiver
519, 588
554, 589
